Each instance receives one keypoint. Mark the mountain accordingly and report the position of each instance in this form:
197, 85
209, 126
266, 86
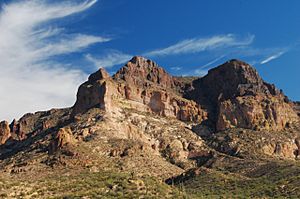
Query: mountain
133, 133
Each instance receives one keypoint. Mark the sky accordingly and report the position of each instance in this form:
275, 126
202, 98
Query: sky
49, 47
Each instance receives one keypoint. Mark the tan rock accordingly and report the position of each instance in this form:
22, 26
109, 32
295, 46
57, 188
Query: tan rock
146, 92
98, 94
64, 137
255, 112
4, 132
286, 149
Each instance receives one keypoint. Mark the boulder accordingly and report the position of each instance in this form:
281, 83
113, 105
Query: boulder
63, 138
5, 133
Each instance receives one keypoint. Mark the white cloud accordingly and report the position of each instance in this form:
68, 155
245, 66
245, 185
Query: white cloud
272, 57
71, 44
195, 73
194, 45
110, 59
29, 81
200, 72
176, 68
213, 62
202, 44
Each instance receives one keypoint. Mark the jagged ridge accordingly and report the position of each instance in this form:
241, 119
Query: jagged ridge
143, 120
231, 95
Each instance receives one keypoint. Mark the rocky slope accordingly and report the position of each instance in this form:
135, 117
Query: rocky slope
144, 122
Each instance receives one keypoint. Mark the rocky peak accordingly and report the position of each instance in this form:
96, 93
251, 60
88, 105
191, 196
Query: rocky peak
240, 71
143, 85
229, 80
99, 75
141, 71
232, 95
236, 96
235, 78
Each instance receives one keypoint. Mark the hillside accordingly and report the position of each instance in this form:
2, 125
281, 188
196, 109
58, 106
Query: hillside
144, 133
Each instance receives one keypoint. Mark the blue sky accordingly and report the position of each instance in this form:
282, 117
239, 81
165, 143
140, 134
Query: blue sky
51, 46
142, 26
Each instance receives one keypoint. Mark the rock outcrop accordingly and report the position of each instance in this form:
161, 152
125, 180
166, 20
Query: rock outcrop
236, 96
17, 130
141, 72
229, 96
97, 92
144, 122
296, 106
63, 138
141, 84
255, 112
4, 132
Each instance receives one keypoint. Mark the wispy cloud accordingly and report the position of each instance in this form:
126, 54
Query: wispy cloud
272, 57
72, 43
187, 46
27, 74
200, 72
176, 68
196, 45
108, 60
209, 64
203, 70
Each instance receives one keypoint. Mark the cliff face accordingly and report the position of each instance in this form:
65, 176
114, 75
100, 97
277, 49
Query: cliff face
143, 72
237, 97
258, 112
232, 95
229, 96
143, 85
95, 93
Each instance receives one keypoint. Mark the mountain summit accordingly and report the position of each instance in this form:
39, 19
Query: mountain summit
233, 94
238, 97
143, 120
139, 70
